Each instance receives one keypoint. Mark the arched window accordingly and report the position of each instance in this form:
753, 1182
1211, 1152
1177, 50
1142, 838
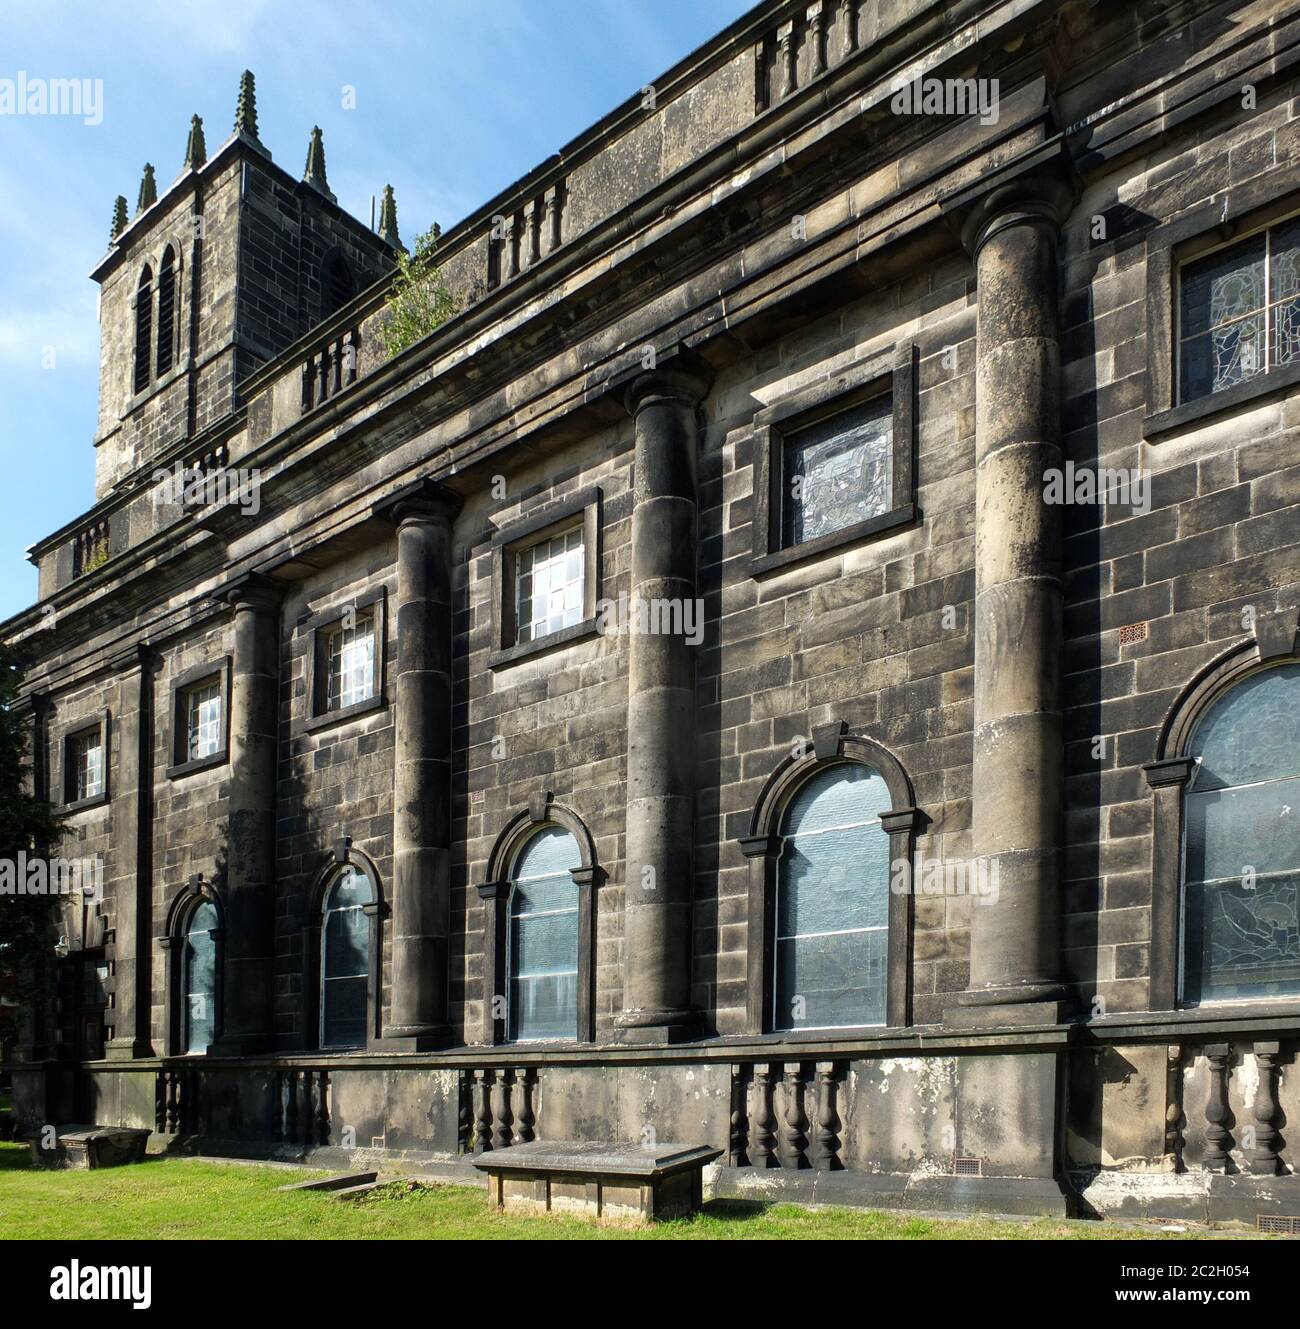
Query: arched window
143, 328
337, 286
166, 310
542, 947
345, 959
1241, 843
199, 967
831, 939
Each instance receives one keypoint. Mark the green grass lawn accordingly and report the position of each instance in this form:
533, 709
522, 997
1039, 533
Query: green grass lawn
178, 1198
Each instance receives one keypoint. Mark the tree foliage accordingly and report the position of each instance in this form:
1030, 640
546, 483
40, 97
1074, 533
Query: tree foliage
421, 301
28, 825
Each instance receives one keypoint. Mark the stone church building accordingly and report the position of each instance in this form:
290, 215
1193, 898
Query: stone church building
802, 662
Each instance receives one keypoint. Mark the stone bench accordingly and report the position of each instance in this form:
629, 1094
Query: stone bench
644, 1182
91, 1147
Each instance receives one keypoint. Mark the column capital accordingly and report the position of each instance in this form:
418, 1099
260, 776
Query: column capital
422, 500
253, 590
683, 376
1039, 189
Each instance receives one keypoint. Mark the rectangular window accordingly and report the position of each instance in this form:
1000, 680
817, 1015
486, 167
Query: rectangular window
550, 585
85, 765
350, 663
203, 720
1239, 312
837, 472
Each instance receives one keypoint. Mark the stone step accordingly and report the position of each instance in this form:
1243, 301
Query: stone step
341, 1181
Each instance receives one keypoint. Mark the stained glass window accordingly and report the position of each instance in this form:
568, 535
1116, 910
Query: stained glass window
543, 942
203, 720
838, 472
1240, 312
345, 960
832, 905
200, 978
550, 586
1241, 928
350, 663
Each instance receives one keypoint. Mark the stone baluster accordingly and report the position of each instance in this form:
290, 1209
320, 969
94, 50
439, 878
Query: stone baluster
826, 1152
816, 16
173, 1102
1217, 1140
291, 1109
323, 1107
553, 204
848, 28
787, 58
736, 1139
794, 1135
502, 1116
523, 1095
1264, 1158
160, 1102
482, 1112
762, 1151
1174, 1106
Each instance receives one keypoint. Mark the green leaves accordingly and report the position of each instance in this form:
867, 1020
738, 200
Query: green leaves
421, 302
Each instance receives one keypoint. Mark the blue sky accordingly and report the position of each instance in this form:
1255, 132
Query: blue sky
455, 99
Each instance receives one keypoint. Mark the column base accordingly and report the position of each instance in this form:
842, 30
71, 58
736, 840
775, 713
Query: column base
416, 1038
1006, 1014
652, 1027
126, 1049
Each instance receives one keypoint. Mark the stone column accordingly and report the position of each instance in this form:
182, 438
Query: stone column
1018, 776
421, 885
661, 709
133, 887
248, 980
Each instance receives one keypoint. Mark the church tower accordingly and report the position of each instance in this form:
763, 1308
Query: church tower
207, 281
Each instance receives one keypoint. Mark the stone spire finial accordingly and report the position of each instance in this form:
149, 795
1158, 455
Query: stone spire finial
196, 149
246, 108
148, 191
388, 219
119, 216
314, 174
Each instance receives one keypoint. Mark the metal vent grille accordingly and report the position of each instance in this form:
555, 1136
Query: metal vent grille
1132, 632
967, 1167
1285, 1223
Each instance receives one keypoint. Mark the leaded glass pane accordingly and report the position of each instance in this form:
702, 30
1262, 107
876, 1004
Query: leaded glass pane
345, 1012
1253, 733
350, 888
350, 664
1242, 844
543, 945
831, 980
1242, 942
832, 907
345, 960
550, 582
347, 944
1229, 830
837, 472
1224, 287
200, 988
203, 720
86, 759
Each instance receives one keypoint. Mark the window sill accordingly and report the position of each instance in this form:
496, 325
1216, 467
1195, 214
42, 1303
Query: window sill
327, 719
84, 804
887, 522
525, 649
184, 768
1161, 423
